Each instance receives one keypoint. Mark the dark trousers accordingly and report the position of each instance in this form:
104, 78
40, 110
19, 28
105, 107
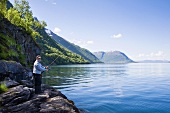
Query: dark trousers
37, 83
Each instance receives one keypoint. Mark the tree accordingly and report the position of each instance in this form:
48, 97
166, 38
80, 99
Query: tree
22, 6
3, 7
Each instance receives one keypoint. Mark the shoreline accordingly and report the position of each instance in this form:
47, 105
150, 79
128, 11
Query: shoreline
21, 98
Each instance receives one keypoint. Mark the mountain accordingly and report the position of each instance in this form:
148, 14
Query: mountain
154, 61
51, 50
115, 57
17, 42
86, 54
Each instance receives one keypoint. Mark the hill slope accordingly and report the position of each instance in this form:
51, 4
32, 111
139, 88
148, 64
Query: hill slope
17, 41
113, 57
51, 50
16, 44
86, 54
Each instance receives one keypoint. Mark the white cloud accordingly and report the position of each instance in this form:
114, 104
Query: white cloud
54, 3
57, 30
89, 42
159, 55
116, 36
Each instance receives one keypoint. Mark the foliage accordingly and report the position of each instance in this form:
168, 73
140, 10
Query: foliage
3, 7
3, 88
52, 50
76, 49
21, 15
7, 45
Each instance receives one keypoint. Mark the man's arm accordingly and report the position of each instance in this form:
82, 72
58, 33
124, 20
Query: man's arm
40, 68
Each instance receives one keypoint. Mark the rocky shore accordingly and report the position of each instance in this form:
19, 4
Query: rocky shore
20, 97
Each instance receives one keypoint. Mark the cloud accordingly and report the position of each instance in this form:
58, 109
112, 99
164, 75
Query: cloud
90, 42
159, 55
54, 3
57, 30
116, 36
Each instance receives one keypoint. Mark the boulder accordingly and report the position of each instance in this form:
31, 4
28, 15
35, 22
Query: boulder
11, 83
15, 95
13, 70
57, 105
20, 98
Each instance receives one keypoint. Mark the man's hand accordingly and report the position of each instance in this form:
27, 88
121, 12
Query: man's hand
46, 67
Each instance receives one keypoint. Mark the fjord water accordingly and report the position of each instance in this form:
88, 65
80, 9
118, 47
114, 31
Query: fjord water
111, 88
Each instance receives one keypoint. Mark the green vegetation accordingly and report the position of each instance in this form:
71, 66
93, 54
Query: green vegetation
3, 88
7, 48
74, 48
52, 50
20, 15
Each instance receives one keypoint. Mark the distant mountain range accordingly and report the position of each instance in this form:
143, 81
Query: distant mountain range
86, 54
154, 61
115, 57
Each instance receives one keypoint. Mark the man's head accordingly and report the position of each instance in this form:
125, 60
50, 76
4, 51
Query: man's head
38, 57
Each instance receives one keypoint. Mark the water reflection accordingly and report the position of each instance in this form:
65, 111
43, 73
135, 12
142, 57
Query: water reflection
113, 87
69, 77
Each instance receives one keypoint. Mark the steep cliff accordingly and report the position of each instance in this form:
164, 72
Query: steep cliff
16, 44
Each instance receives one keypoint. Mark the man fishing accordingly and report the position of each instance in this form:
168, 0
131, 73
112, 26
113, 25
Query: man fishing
37, 73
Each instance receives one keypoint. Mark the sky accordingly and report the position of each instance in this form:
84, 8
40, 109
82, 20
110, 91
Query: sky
138, 28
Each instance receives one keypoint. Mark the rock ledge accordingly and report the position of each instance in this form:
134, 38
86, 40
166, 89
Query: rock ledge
20, 98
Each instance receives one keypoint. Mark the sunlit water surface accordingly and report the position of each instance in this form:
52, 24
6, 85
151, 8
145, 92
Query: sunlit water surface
109, 88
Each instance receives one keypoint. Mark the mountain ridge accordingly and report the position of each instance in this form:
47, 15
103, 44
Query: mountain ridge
86, 54
115, 57
153, 61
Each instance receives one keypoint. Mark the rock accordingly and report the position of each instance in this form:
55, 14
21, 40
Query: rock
57, 105
52, 92
14, 71
27, 83
11, 83
15, 95
26, 48
20, 98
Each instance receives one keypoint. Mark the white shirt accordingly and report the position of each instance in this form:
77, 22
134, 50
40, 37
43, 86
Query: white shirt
38, 68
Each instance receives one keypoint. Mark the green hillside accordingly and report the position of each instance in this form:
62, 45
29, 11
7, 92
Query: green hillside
86, 54
22, 37
51, 50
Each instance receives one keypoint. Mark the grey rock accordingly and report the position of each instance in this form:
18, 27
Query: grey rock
11, 83
27, 83
57, 105
21, 99
14, 96
28, 48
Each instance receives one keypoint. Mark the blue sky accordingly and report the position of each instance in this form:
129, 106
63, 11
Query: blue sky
139, 28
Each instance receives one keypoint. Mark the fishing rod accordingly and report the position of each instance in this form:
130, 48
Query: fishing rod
54, 60
57, 57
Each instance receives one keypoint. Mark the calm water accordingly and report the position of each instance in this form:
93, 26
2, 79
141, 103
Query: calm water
108, 88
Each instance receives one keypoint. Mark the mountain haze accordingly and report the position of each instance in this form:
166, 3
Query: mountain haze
115, 57
154, 61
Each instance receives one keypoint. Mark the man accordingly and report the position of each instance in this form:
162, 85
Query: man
37, 71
